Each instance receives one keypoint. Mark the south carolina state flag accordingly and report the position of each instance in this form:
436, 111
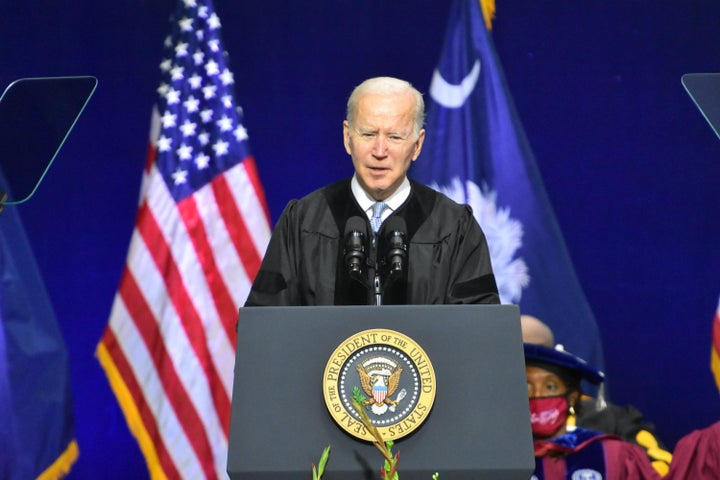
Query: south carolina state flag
476, 152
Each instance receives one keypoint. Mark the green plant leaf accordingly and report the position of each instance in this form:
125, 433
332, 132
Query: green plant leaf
318, 471
323, 460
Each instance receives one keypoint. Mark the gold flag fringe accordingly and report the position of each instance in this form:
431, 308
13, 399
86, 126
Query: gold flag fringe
62, 465
488, 11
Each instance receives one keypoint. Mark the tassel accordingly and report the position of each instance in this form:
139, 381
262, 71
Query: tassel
570, 423
600, 402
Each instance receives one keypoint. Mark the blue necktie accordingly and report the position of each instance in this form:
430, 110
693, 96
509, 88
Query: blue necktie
376, 220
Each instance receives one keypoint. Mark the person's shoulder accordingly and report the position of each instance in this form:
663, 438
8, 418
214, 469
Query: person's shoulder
330, 189
319, 195
608, 416
320, 211
629, 424
696, 455
438, 200
711, 431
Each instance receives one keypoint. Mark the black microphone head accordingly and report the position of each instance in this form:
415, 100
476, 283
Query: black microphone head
356, 224
397, 249
354, 251
395, 226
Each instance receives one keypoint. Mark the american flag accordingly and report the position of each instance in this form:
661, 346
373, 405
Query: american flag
201, 231
715, 350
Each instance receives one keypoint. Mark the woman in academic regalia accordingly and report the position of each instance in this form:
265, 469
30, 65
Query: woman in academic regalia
563, 451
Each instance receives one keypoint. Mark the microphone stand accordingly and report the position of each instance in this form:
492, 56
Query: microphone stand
376, 282
378, 289
396, 255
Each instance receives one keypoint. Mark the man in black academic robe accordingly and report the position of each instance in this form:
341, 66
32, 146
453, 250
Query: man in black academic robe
447, 255
443, 253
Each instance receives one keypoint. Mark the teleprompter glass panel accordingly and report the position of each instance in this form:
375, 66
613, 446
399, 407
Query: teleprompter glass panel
36, 117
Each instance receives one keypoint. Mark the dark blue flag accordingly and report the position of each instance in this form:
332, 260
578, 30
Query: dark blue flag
38, 435
475, 151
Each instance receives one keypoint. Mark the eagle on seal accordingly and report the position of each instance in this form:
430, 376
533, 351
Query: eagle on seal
379, 385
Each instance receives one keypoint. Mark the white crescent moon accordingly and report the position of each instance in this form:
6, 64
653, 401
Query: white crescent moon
454, 96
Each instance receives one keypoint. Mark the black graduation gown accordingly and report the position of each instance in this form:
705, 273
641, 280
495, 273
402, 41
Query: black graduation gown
448, 261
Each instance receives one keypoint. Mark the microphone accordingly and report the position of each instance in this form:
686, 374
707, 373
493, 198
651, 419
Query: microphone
355, 233
397, 248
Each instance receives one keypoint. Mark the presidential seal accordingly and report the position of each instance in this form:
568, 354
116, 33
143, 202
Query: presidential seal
388, 375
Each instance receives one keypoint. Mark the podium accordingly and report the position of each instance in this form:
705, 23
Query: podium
477, 427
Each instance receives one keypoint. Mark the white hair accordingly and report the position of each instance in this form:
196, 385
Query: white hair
387, 85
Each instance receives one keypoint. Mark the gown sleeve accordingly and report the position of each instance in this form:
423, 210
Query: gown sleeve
276, 281
450, 260
631, 462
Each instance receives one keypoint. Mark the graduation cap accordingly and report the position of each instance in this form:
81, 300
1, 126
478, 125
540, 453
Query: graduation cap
560, 358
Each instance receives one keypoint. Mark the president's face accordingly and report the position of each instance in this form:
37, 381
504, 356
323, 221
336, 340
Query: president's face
381, 142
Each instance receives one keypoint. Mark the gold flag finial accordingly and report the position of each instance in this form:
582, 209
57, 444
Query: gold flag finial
488, 11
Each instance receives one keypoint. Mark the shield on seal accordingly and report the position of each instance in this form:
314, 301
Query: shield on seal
379, 392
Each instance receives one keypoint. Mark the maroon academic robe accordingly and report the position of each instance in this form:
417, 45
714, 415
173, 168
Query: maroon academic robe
584, 454
697, 456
